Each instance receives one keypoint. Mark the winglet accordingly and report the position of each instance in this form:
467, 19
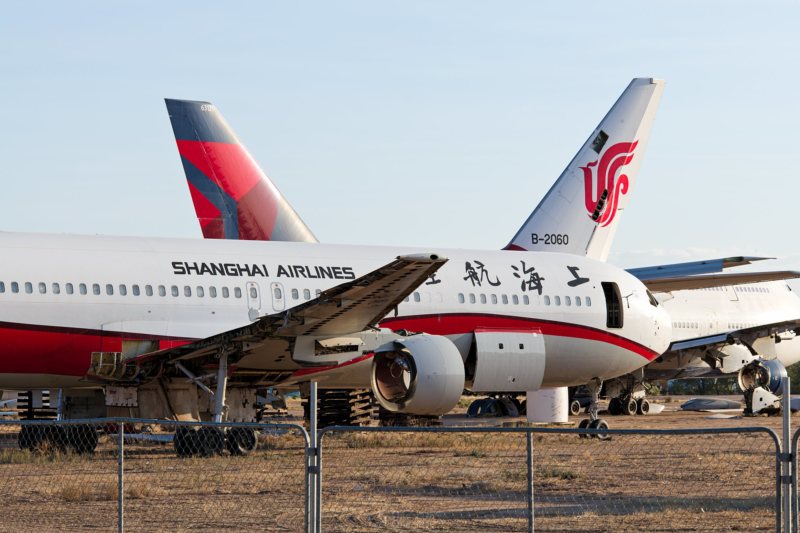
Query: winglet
581, 211
232, 196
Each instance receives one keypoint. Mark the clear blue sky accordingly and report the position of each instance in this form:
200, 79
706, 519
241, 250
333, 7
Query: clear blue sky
439, 124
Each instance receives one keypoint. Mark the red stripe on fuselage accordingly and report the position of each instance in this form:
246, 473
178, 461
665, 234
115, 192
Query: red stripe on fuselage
453, 324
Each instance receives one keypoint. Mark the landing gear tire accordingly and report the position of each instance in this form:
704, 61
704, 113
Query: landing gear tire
241, 441
474, 407
31, 438
574, 407
81, 438
614, 407
629, 407
599, 424
489, 407
186, 442
584, 424
508, 407
642, 406
212, 441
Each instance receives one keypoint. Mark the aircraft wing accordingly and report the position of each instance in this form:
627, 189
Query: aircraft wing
749, 335
677, 283
347, 308
692, 268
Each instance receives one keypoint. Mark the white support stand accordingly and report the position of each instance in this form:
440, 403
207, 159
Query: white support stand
548, 405
222, 385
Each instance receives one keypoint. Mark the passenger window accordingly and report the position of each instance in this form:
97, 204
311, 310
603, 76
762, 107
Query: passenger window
494, 298
306, 294
588, 302
14, 287
577, 301
557, 300
135, 290
200, 292
318, 293
471, 298
225, 292
483, 298
28, 287
2, 287
416, 297
276, 291
96, 289
461, 297
515, 299
162, 290
56, 288
212, 291
148, 290
526, 300
42, 288
109, 289
505, 299
237, 292
69, 288
174, 291
123, 290
187, 291
295, 294
567, 301
546, 300
82, 288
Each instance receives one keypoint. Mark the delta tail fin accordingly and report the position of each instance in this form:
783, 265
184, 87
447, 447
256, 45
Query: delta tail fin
232, 196
581, 211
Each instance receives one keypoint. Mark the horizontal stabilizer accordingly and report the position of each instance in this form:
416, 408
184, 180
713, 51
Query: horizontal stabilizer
717, 280
692, 268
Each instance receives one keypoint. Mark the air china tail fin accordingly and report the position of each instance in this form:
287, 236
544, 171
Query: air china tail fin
232, 196
580, 213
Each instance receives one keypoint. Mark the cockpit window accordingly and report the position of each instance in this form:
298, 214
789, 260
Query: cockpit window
652, 299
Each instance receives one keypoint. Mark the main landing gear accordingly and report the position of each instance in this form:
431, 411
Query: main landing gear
593, 422
208, 441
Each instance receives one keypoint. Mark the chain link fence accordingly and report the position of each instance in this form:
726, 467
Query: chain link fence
70, 476
432, 479
248, 477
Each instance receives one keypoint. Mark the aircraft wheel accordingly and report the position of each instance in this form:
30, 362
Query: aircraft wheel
508, 407
584, 424
643, 406
241, 441
186, 441
31, 438
601, 425
614, 406
489, 407
574, 407
629, 407
523, 407
82, 438
212, 441
474, 407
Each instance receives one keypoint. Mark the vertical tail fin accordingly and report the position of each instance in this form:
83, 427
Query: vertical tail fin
581, 211
232, 196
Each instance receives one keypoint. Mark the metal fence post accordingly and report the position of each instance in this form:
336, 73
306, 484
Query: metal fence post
120, 477
314, 489
786, 457
529, 437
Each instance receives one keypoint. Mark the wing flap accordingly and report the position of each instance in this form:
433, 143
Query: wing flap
692, 268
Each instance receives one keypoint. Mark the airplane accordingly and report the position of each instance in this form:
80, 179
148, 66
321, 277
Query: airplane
193, 329
718, 330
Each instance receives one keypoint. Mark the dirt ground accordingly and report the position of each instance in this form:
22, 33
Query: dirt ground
462, 481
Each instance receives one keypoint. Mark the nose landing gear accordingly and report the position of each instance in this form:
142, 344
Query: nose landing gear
594, 422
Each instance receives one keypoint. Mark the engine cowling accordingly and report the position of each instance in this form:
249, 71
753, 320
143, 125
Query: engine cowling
419, 375
764, 373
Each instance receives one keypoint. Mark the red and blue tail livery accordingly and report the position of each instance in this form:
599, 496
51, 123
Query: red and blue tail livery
233, 197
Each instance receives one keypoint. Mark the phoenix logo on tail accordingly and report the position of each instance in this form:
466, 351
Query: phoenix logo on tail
603, 198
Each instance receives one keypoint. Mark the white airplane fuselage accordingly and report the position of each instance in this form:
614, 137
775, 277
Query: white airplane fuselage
702, 312
63, 297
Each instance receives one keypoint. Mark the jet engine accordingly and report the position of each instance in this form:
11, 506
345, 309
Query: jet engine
419, 375
762, 383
